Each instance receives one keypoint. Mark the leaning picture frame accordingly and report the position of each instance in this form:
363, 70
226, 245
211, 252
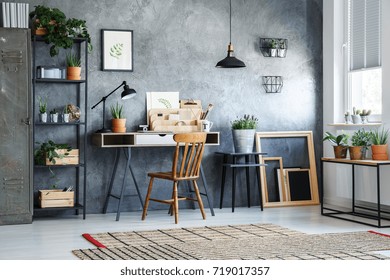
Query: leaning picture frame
117, 50
297, 177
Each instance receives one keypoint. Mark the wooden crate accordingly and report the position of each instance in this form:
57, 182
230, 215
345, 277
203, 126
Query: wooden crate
72, 158
56, 198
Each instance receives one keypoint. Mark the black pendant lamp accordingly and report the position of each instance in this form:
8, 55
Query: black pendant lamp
230, 61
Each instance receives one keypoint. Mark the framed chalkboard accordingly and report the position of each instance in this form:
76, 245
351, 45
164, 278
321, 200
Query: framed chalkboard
294, 180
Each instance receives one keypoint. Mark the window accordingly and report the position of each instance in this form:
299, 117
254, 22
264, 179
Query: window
364, 73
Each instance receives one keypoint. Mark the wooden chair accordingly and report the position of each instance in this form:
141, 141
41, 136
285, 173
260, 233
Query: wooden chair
185, 167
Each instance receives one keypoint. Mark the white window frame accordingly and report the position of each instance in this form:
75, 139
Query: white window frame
346, 67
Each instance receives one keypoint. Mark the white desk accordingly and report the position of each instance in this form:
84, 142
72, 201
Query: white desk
128, 140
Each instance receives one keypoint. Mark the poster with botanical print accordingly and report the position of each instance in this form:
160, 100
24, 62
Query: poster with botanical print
117, 50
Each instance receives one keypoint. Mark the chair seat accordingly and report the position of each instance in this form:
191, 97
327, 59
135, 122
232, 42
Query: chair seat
169, 176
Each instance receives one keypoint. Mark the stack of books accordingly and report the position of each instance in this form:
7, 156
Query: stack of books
14, 15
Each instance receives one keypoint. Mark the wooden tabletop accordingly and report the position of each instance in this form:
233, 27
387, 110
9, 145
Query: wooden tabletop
360, 162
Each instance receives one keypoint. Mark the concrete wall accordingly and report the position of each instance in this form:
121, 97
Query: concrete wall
176, 47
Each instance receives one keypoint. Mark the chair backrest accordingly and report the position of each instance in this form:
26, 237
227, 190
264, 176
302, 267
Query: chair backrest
188, 155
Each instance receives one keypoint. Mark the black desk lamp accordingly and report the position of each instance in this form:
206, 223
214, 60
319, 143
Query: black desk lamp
126, 94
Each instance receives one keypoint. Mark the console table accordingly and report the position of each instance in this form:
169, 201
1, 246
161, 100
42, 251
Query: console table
129, 140
371, 213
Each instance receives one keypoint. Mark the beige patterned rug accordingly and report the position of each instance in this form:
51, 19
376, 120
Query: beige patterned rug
247, 242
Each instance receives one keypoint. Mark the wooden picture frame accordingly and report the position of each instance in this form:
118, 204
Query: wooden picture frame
117, 50
299, 182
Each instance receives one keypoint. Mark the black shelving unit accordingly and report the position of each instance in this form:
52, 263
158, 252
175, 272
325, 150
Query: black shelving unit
79, 127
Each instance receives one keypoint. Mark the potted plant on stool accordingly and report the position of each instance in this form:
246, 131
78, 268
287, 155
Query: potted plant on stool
243, 130
340, 144
379, 144
118, 122
360, 140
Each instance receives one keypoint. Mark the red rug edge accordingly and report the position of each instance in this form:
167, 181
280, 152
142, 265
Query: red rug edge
88, 237
375, 232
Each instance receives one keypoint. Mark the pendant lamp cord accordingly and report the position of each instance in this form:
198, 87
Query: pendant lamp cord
230, 21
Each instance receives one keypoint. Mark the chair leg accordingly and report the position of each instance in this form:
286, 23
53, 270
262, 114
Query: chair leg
146, 204
199, 198
175, 203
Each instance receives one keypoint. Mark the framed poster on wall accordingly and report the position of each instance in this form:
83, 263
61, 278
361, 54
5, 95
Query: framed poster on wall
117, 50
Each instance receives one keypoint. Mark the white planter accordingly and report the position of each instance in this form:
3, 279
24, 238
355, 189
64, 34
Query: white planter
43, 117
356, 119
243, 140
65, 118
54, 118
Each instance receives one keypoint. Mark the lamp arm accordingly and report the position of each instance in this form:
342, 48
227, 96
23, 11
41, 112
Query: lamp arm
105, 97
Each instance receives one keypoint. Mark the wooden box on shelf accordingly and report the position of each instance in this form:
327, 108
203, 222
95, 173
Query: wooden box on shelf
71, 158
56, 198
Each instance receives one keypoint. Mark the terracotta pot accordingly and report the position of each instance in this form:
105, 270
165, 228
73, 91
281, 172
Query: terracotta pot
340, 151
73, 73
379, 152
40, 31
356, 152
118, 125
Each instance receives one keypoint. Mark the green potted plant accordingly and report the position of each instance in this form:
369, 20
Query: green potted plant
243, 130
282, 48
272, 46
65, 114
42, 109
379, 144
56, 29
339, 142
360, 140
364, 115
73, 66
118, 122
54, 116
50, 151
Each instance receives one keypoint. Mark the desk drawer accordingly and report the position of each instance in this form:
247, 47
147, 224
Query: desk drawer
154, 139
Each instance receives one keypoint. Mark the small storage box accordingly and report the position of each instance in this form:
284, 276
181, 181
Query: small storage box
71, 158
56, 198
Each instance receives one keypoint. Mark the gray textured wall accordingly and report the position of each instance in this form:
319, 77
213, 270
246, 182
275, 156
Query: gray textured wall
176, 46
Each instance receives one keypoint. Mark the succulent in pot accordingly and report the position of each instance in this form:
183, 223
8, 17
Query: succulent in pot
339, 142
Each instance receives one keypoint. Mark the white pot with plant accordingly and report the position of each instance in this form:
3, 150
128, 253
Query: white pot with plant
54, 116
243, 130
356, 119
65, 114
42, 110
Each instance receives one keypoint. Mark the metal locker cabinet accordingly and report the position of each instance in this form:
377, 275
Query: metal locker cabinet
16, 199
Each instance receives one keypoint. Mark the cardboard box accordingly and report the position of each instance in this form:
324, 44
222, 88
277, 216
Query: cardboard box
71, 158
56, 198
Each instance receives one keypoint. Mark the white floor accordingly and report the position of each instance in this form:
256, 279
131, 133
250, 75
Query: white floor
55, 238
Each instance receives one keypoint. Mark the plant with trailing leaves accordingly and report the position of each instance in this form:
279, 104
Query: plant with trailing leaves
336, 140
60, 30
245, 122
49, 150
117, 111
